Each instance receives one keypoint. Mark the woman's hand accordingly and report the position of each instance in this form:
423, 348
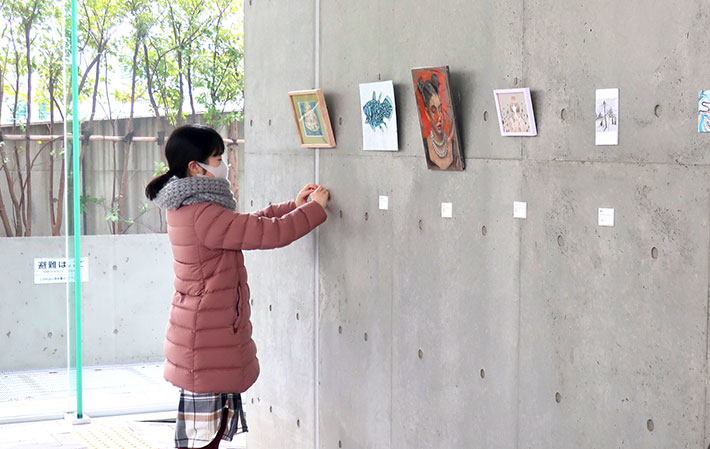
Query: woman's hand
302, 196
321, 196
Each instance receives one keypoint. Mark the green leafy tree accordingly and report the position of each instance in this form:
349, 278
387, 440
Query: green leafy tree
184, 57
28, 20
219, 65
219, 68
14, 70
97, 24
139, 15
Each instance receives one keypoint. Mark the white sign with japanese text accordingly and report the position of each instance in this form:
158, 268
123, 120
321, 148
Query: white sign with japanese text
56, 270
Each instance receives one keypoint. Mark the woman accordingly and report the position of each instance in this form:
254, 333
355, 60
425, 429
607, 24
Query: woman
210, 354
439, 145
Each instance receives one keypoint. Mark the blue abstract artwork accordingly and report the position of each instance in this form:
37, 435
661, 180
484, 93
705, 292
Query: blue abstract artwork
379, 116
377, 111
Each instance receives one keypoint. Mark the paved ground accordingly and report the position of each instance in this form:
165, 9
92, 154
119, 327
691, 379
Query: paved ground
107, 390
134, 432
129, 406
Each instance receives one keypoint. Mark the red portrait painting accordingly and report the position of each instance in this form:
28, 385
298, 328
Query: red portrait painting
442, 147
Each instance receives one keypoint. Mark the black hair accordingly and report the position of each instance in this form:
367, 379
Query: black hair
428, 88
186, 143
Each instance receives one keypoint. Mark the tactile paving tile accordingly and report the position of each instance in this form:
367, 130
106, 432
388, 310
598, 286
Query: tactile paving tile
48, 384
107, 390
7, 394
58, 384
110, 437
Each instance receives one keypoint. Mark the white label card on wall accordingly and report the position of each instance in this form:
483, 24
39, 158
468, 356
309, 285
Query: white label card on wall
447, 210
606, 216
384, 202
520, 209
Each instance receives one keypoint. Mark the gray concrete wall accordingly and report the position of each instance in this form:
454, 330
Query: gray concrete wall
548, 332
125, 302
282, 401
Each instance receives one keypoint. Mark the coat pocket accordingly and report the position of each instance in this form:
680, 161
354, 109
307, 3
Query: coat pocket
235, 325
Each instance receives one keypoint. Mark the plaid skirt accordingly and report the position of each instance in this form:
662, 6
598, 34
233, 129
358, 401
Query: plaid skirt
199, 418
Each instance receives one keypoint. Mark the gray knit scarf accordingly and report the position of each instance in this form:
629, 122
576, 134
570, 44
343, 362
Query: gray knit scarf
185, 191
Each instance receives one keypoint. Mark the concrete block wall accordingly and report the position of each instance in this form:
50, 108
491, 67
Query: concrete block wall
484, 330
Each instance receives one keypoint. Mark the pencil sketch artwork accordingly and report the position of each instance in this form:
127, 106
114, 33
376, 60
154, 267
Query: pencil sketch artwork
607, 117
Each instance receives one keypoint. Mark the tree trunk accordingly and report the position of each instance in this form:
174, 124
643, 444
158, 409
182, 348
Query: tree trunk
11, 191
97, 78
83, 79
124, 181
56, 223
90, 126
3, 211
181, 90
189, 87
2, 92
16, 202
5, 219
114, 125
233, 157
178, 50
20, 203
88, 69
154, 104
28, 164
52, 217
60, 201
129, 135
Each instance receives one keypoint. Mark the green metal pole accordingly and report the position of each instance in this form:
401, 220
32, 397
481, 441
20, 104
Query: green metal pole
76, 178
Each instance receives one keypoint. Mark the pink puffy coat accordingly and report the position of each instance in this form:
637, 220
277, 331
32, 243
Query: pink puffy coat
208, 346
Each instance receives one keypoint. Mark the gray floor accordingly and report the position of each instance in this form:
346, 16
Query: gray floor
128, 406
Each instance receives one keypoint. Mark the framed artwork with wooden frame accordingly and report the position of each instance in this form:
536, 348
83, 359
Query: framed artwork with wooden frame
312, 121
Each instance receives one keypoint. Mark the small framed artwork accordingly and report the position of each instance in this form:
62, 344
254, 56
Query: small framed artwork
379, 116
312, 121
437, 119
515, 112
704, 111
606, 124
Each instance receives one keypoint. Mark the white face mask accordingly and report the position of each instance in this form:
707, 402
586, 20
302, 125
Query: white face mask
220, 171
